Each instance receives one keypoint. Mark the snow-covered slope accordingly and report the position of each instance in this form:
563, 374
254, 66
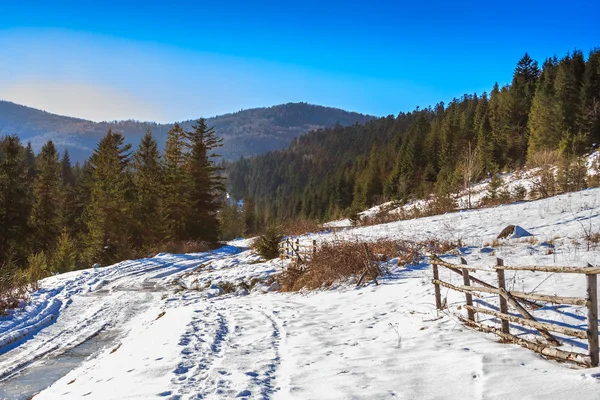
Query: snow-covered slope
177, 335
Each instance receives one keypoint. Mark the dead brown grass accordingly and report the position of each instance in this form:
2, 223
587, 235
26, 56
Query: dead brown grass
339, 260
332, 262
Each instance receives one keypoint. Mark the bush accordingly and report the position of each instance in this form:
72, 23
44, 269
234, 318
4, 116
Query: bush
267, 244
14, 286
64, 258
335, 261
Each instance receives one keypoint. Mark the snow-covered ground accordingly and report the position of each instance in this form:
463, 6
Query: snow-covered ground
176, 334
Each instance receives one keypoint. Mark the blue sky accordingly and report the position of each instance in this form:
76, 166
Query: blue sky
166, 62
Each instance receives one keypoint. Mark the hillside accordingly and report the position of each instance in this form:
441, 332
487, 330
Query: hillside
165, 326
547, 109
245, 133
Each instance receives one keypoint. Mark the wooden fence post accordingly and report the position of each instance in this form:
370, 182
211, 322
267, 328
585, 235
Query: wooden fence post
438, 294
298, 249
592, 331
314, 249
503, 304
467, 282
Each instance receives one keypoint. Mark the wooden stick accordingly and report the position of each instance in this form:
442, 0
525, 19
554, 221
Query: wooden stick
534, 324
369, 266
576, 301
513, 302
468, 296
436, 287
531, 304
590, 270
435, 259
501, 288
592, 331
548, 351
362, 277
538, 268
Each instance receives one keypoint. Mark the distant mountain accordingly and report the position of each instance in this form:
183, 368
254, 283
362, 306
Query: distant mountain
244, 133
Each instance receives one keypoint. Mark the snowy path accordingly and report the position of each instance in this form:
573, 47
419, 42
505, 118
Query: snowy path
176, 343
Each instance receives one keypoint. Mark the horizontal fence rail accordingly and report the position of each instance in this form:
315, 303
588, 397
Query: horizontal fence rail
474, 287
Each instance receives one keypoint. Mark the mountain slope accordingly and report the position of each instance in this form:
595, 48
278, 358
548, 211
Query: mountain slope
244, 133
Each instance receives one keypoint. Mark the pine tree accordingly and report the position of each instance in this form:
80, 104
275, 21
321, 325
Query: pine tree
175, 197
15, 201
521, 93
46, 214
590, 97
544, 126
147, 179
567, 88
207, 184
108, 213
67, 170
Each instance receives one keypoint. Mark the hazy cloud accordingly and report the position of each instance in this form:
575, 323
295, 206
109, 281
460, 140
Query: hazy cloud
83, 100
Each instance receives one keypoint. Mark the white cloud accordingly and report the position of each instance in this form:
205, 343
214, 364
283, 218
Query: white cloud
82, 100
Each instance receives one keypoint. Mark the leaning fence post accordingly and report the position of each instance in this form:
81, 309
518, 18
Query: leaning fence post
438, 294
469, 297
298, 249
592, 331
502, 286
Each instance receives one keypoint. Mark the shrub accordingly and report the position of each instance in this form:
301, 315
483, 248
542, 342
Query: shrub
64, 258
267, 244
335, 261
13, 286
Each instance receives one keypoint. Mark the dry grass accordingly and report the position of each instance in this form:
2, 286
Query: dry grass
332, 262
340, 260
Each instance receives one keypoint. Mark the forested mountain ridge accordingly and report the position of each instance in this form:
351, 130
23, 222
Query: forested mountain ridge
552, 108
244, 133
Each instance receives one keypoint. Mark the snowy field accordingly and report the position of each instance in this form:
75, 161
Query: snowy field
167, 329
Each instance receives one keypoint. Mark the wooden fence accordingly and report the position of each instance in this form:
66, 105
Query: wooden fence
292, 250
520, 301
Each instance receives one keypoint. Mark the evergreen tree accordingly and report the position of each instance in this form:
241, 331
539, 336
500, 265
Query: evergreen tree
147, 179
46, 214
108, 213
175, 198
207, 184
590, 97
544, 126
15, 201
68, 178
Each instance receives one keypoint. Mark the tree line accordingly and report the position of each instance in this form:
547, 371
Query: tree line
553, 108
119, 204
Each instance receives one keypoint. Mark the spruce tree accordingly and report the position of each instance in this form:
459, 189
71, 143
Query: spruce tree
147, 179
590, 97
108, 213
15, 201
46, 214
207, 184
544, 125
175, 196
68, 177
